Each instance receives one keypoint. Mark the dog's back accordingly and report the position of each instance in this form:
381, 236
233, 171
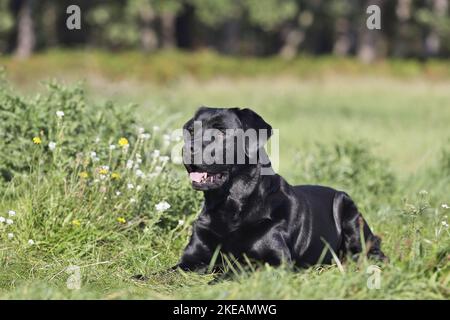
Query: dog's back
336, 221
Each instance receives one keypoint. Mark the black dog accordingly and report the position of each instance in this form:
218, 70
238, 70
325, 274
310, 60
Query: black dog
262, 216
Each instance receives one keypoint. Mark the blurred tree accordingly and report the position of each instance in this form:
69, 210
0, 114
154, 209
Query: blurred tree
113, 24
168, 11
293, 33
143, 12
224, 15
6, 25
344, 15
435, 21
26, 37
403, 36
270, 14
369, 40
410, 28
276, 16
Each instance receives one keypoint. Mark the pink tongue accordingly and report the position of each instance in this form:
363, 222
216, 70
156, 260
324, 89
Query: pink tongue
197, 176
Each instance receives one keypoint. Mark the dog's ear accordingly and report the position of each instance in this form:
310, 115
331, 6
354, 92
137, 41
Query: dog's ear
252, 121
200, 110
197, 112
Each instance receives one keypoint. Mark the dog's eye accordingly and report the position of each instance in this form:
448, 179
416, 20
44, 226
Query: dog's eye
221, 134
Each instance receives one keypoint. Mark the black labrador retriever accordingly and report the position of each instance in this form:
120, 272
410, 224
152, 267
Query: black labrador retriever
261, 216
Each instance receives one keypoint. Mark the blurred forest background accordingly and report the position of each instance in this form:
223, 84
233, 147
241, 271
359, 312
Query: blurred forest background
410, 28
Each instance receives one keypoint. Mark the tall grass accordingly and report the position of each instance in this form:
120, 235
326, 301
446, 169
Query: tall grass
85, 179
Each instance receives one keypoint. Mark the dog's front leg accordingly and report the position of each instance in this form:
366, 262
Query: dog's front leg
198, 253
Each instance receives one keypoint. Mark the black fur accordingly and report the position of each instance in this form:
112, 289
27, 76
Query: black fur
267, 219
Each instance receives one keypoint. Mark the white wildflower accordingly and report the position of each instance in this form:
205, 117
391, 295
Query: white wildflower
445, 224
11, 213
445, 206
180, 222
158, 169
145, 136
118, 193
132, 200
10, 235
97, 140
31, 242
139, 188
112, 147
52, 145
164, 159
129, 164
2, 219
9, 221
60, 114
156, 153
141, 130
162, 206
130, 186
139, 173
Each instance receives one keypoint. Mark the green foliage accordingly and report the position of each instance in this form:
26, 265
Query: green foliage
269, 14
26, 118
444, 161
6, 24
113, 25
410, 29
172, 66
79, 212
352, 167
213, 13
99, 181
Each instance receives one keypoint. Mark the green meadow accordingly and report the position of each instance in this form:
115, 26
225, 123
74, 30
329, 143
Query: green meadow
81, 191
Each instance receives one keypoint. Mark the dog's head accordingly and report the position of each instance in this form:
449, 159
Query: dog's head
219, 142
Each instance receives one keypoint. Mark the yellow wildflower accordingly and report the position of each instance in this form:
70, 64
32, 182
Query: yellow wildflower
121, 220
37, 140
115, 176
83, 175
123, 142
76, 222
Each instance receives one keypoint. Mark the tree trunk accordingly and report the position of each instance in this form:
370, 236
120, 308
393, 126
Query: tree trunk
168, 30
432, 40
368, 42
50, 23
26, 37
231, 43
343, 43
403, 12
149, 39
292, 38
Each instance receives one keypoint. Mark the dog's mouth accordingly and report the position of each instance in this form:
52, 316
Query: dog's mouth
206, 180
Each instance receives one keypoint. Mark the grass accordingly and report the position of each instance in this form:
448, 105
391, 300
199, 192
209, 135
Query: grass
382, 137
